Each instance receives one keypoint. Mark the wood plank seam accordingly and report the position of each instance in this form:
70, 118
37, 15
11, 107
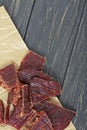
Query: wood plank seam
73, 43
29, 20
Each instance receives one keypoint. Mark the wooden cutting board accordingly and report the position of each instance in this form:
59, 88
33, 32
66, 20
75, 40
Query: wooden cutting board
12, 50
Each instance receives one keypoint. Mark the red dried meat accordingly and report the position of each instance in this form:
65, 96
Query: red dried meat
32, 61
6, 113
26, 99
1, 112
42, 122
43, 89
27, 75
8, 76
14, 94
24, 103
19, 121
59, 116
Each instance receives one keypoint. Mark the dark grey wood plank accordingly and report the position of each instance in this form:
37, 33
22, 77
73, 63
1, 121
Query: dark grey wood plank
1, 1
75, 85
19, 11
52, 30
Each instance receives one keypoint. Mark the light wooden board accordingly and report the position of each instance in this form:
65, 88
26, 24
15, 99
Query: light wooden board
13, 49
11, 43
76, 77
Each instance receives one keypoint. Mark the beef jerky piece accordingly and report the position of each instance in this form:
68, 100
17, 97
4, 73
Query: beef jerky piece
6, 113
43, 89
32, 61
16, 119
1, 112
18, 108
30, 120
59, 116
26, 99
10, 96
8, 76
24, 103
19, 122
42, 122
14, 94
27, 75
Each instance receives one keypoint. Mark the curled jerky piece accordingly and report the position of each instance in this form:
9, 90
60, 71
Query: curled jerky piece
1, 112
32, 61
8, 77
27, 75
59, 116
43, 89
42, 122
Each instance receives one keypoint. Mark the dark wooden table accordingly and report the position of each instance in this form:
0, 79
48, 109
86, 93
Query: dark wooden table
57, 29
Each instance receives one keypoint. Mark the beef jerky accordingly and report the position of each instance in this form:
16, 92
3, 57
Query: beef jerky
32, 61
59, 116
27, 75
24, 103
8, 76
26, 99
42, 122
14, 94
43, 89
16, 119
30, 120
19, 122
18, 109
6, 113
1, 112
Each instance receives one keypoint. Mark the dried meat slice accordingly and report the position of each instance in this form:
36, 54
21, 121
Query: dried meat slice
59, 116
8, 76
26, 99
6, 113
30, 120
16, 120
27, 75
42, 122
14, 94
19, 122
44, 89
1, 112
32, 61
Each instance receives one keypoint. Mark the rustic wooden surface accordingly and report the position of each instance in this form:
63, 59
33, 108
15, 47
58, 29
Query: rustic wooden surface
57, 30
1, 2
20, 12
76, 77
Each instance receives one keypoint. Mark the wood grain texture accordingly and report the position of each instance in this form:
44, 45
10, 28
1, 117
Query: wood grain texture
52, 31
20, 11
75, 84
